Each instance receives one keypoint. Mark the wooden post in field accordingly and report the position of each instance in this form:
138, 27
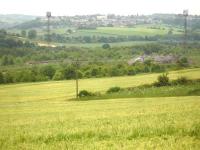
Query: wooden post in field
76, 66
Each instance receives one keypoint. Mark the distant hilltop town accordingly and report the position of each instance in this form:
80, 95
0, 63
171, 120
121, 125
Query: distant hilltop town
92, 21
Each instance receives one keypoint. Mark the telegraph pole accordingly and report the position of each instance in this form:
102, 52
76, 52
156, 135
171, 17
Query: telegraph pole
77, 88
185, 14
48, 15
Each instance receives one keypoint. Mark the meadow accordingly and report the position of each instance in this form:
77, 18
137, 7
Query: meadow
137, 30
97, 45
64, 90
142, 30
40, 116
126, 31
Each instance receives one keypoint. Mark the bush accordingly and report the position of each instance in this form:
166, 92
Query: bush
48, 71
183, 62
106, 46
181, 81
58, 75
85, 93
1, 78
113, 89
163, 80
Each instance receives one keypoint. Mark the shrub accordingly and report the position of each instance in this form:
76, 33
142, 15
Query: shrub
48, 71
181, 81
1, 78
163, 80
113, 89
85, 93
106, 46
58, 75
183, 62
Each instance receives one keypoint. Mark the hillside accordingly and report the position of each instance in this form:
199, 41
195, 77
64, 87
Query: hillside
11, 20
63, 90
38, 115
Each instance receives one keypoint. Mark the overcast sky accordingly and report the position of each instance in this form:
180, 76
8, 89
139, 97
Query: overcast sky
83, 7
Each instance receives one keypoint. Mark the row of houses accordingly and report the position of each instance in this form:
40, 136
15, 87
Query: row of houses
156, 58
101, 20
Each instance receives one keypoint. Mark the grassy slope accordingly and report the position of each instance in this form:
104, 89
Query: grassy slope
114, 31
139, 30
66, 89
37, 116
118, 44
165, 91
145, 123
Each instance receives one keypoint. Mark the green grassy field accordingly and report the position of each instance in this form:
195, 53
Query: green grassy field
125, 31
144, 123
139, 30
142, 30
142, 92
39, 116
63, 90
93, 45
149, 30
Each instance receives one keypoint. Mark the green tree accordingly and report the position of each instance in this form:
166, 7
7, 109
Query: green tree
106, 46
58, 75
163, 80
3, 33
1, 78
69, 31
8, 78
7, 60
170, 32
48, 71
32, 34
70, 72
183, 62
23, 33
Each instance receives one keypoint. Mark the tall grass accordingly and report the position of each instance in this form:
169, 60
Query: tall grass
143, 123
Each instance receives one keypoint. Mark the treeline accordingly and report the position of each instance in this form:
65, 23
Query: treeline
37, 55
61, 38
67, 72
11, 41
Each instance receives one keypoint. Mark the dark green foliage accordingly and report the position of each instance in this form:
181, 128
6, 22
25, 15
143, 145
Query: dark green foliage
181, 81
1, 78
69, 31
85, 93
194, 92
10, 43
23, 33
163, 80
8, 78
113, 90
106, 46
58, 75
183, 62
131, 71
48, 71
7, 60
56, 63
3, 33
69, 72
157, 68
32, 34
191, 88
25, 76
